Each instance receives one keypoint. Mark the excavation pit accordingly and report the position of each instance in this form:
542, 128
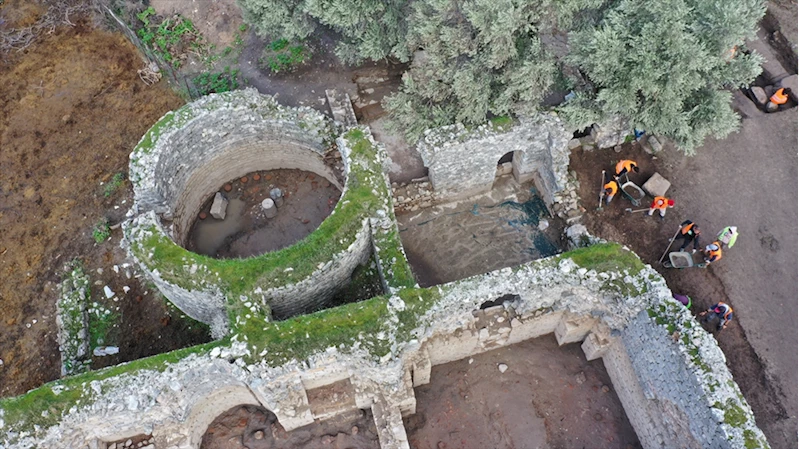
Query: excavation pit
247, 230
251, 427
531, 394
506, 227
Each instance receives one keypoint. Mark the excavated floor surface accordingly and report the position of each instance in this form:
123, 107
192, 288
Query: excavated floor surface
548, 397
246, 231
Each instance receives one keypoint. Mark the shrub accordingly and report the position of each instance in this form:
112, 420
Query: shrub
101, 231
210, 82
114, 184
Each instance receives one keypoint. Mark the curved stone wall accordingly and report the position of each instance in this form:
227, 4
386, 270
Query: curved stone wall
184, 159
190, 153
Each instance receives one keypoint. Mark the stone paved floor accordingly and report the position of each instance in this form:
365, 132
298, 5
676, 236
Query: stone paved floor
457, 240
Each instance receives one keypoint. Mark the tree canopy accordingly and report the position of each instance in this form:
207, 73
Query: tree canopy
664, 64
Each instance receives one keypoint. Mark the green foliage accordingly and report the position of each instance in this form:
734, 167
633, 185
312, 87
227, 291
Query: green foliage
114, 184
101, 323
479, 57
283, 55
369, 29
664, 64
216, 82
605, 257
168, 38
101, 231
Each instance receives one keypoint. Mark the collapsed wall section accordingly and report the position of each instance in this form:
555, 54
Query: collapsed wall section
540, 153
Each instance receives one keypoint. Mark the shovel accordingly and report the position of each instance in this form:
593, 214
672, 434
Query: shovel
634, 211
602, 191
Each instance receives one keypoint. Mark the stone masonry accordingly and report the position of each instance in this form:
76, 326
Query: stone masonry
540, 152
704, 409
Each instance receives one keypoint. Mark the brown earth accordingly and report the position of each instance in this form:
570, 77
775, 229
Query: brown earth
648, 237
72, 107
548, 397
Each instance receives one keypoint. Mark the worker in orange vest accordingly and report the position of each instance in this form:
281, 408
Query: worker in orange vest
661, 203
610, 190
689, 232
624, 167
712, 252
722, 311
780, 97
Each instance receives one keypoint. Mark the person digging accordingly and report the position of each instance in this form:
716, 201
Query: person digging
712, 252
689, 232
660, 204
610, 190
722, 311
624, 167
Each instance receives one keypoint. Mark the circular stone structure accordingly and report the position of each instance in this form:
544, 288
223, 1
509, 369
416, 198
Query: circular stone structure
184, 159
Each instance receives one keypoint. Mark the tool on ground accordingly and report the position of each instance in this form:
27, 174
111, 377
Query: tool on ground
634, 211
601, 190
671, 240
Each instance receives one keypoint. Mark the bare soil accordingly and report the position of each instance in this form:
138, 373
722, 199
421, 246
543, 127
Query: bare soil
257, 428
72, 107
648, 237
246, 231
549, 397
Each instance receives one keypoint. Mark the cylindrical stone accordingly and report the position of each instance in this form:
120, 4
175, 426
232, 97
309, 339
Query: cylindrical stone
277, 196
270, 209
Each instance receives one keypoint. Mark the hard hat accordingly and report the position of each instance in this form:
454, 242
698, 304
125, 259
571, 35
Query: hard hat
671, 203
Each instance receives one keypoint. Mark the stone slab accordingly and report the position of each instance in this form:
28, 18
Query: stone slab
657, 185
219, 206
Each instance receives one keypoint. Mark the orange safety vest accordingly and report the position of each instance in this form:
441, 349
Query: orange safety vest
613, 187
714, 255
625, 164
779, 97
726, 308
661, 202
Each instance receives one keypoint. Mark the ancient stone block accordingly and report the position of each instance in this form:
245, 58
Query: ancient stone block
657, 185
759, 94
219, 206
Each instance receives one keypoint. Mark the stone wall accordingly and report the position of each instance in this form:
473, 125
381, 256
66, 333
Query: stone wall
190, 153
463, 162
672, 399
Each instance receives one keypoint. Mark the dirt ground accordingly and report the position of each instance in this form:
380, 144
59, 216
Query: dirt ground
725, 185
246, 231
548, 397
256, 428
71, 109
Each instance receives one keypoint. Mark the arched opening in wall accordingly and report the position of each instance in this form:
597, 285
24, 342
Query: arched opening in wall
261, 211
505, 164
540, 395
251, 427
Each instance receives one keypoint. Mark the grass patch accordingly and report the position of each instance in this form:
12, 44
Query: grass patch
605, 257
101, 324
283, 55
101, 231
114, 184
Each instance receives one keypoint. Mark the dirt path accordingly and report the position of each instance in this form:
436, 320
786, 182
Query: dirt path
728, 184
548, 397
71, 109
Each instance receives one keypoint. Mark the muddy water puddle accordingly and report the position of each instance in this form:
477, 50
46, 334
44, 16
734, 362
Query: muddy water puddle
246, 231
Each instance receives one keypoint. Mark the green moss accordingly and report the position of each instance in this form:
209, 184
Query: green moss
605, 257
751, 441
43, 407
502, 123
152, 134
734, 415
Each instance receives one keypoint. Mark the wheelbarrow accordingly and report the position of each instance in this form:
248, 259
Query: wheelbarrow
632, 192
681, 259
